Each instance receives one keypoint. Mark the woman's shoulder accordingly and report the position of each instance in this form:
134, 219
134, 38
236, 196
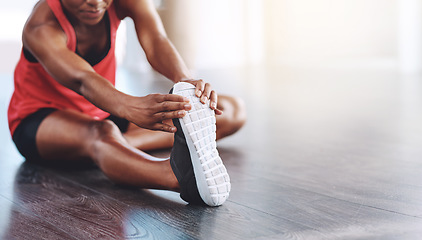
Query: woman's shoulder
130, 8
41, 26
42, 15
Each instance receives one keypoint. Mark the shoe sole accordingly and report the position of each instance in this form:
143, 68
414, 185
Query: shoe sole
199, 129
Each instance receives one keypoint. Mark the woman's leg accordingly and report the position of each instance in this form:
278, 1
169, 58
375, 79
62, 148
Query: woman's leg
66, 135
148, 140
233, 118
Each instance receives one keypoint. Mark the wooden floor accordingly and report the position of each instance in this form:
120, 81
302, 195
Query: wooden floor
329, 152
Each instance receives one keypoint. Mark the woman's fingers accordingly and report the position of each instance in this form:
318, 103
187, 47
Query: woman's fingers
218, 111
213, 100
173, 106
213, 103
206, 93
170, 98
162, 116
164, 127
200, 84
152, 110
169, 102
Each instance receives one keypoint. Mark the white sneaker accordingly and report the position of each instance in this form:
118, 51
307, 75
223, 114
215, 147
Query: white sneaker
194, 159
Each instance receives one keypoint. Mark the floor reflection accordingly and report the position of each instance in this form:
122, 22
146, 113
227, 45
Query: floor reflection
168, 217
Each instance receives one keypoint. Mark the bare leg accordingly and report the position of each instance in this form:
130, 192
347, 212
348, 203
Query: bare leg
148, 140
230, 122
71, 136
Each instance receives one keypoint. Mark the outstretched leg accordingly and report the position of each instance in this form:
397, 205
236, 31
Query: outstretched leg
67, 135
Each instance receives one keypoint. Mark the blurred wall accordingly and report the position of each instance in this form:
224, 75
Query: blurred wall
410, 36
230, 33
215, 33
238, 32
13, 15
326, 29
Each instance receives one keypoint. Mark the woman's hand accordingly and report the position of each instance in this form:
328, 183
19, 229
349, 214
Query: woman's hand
204, 92
154, 110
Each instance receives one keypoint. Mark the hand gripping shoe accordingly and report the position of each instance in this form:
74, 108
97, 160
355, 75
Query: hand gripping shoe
195, 161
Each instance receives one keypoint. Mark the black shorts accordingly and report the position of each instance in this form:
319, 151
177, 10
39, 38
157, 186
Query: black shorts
25, 133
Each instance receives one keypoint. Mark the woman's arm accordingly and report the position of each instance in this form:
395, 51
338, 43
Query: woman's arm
160, 52
45, 39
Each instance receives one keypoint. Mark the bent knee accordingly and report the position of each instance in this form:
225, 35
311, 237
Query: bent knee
103, 133
239, 116
104, 130
234, 115
234, 109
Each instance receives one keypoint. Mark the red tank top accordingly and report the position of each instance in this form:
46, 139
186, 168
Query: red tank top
36, 89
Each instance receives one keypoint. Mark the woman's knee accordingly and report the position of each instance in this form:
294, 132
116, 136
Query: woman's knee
104, 134
104, 131
234, 115
239, 113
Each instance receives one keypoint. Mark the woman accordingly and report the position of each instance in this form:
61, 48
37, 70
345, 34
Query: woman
65, 107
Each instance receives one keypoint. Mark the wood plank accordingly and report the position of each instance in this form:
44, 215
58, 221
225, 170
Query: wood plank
326, 215
373, 174
83, 213
17, 223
